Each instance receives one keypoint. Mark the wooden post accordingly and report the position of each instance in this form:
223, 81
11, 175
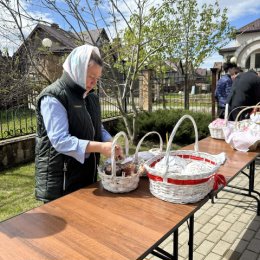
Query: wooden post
213, 87
145, 95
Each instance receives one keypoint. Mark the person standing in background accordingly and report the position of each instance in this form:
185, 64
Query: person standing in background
70, 136
236, 71
245, 92
223, 87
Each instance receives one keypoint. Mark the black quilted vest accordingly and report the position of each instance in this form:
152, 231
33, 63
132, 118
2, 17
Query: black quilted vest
56, 173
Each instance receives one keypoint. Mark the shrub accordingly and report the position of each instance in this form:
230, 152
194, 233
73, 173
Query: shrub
163, 121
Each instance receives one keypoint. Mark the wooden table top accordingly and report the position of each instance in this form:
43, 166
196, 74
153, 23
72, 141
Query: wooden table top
93, 223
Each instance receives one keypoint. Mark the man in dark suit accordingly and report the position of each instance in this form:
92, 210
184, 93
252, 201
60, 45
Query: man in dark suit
245, 92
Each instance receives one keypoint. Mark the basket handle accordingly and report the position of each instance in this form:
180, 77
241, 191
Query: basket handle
140, 142
196, 145
234, 110
256, 107
114, 143
241, 111
226, 114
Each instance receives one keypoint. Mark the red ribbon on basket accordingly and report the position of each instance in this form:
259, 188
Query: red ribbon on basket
176, 181
219, 179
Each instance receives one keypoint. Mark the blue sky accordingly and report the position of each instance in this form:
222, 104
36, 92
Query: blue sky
240, 13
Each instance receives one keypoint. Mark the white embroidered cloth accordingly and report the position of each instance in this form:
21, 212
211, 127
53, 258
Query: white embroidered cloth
243, 137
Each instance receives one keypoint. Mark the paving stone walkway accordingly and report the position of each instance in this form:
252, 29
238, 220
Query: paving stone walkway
228, 229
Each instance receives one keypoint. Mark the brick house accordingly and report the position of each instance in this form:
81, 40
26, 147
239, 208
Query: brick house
49, 60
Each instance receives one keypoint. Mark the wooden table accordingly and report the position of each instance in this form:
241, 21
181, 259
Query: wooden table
95, 224
92, 224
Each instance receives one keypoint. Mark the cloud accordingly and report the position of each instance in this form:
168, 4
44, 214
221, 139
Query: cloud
209, 62
10, 37
241, 8
239, 14
236, 9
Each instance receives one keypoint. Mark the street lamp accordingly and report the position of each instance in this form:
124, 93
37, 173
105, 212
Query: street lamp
46, 42
233, 60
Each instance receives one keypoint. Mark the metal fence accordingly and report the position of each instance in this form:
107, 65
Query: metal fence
17, 120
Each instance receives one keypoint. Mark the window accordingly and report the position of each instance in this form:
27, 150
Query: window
257, 60
248, 63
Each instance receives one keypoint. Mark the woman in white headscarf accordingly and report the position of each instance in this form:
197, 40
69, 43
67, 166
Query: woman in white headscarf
70, 135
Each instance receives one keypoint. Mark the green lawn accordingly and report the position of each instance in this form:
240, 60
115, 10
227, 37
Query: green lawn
17, 185
17, 191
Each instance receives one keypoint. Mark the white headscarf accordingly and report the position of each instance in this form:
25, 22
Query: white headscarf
76, 64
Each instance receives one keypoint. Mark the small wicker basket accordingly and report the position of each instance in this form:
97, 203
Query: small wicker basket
118, 184
216, 132
141, 157
180, 185
216, 127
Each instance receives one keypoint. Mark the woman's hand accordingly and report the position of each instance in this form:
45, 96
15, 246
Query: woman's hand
105, 148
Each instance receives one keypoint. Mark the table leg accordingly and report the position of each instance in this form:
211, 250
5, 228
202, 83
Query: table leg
250, 190
162, 254
175, 244
251, 177
191, 237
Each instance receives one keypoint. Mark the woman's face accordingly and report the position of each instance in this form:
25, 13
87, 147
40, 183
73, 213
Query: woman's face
93, 75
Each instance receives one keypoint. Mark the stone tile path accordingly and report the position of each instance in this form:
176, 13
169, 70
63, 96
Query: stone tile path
226, 230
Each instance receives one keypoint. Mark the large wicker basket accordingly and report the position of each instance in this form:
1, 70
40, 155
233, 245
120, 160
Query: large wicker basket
244, 135
118, 184
181, 185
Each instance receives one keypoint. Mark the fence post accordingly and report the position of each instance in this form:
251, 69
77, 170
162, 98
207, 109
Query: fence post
213, 87
145, 94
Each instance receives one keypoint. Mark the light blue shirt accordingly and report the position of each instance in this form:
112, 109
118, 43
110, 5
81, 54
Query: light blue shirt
56, 123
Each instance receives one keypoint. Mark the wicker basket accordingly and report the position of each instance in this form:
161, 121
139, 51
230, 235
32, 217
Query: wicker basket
216, 132
216, 127
250, 129
118, 184
180, 185
141, 157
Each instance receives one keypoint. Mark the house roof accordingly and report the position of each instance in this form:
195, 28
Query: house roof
218, 65
229, 49
249, 28
201, 71
67, 39
93, 36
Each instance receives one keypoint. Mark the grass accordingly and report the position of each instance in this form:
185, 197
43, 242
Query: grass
17, 185
17, 191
